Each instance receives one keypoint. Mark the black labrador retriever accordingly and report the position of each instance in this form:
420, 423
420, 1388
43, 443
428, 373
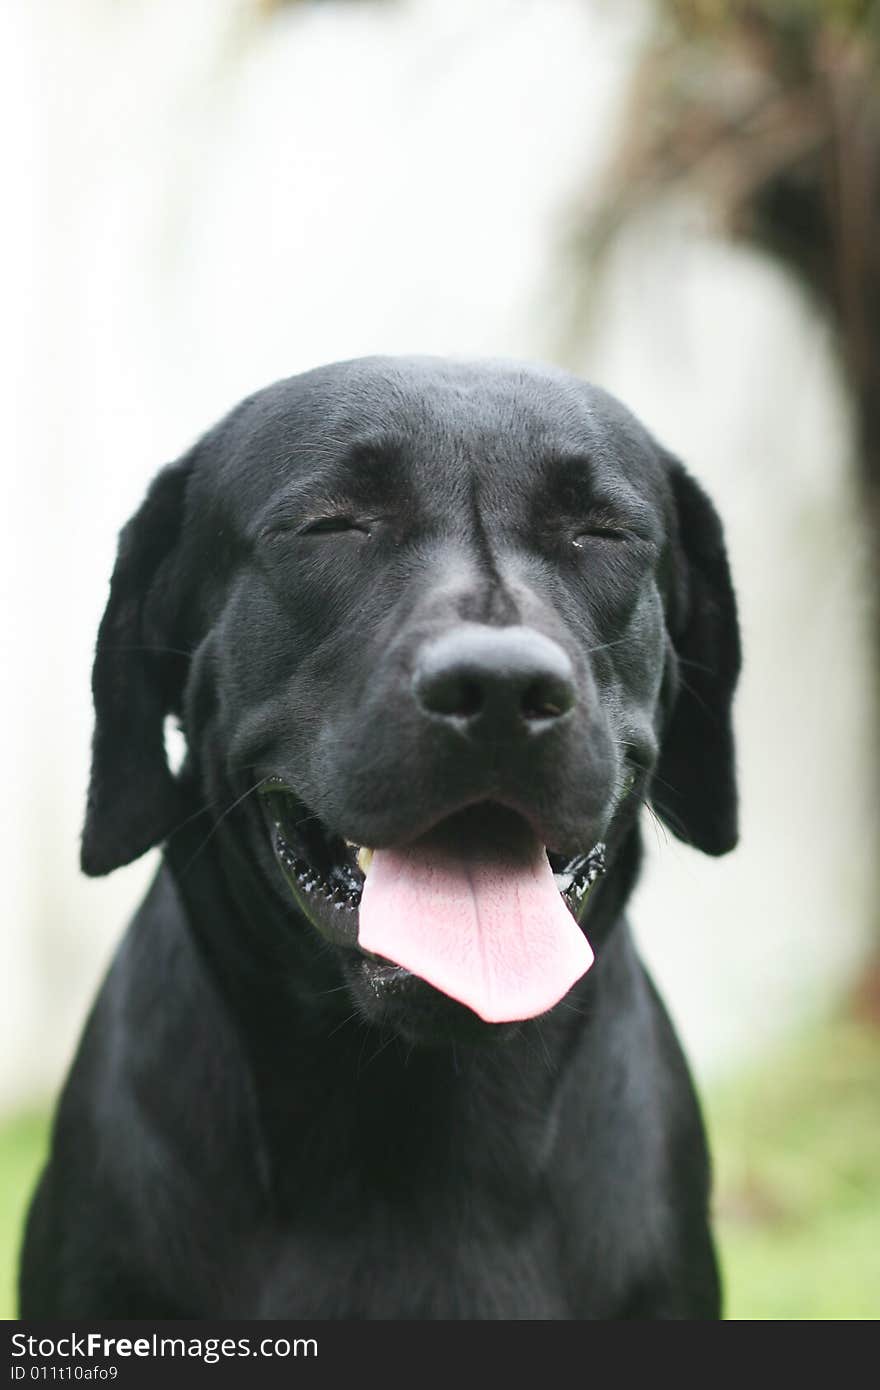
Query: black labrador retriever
434, 633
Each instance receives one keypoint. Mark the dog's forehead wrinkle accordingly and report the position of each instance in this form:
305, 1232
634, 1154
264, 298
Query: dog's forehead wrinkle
452, 589
375, 482
361, 431
499, 604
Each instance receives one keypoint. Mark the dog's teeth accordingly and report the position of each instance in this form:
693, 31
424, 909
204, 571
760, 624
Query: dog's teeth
364, 858
563, 881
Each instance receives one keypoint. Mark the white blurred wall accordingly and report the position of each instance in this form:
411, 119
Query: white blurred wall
198, 203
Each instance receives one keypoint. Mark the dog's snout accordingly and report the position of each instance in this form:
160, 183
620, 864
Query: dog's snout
480, 676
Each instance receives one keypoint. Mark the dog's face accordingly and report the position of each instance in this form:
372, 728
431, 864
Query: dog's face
430, 622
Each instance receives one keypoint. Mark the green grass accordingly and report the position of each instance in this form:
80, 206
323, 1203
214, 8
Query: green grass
796, 1143
23, 1141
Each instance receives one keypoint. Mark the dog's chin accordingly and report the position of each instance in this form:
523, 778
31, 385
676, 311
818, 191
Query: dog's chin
396, 1001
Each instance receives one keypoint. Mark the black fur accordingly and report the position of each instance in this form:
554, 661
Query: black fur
252, 1126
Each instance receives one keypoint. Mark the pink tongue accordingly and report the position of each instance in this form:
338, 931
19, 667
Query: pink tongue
491, 931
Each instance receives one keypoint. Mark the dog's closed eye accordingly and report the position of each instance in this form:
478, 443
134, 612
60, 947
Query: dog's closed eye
600, 530
334, 526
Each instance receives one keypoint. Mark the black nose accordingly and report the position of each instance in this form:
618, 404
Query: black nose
492, 677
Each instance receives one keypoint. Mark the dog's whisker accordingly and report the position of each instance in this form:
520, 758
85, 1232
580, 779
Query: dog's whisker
193, 816
379, 1050
660, 831
361, 1050
540, 1032
604, 646
573, 1008
348, 1019
662, 782
668, 821
153, 648
696, 665
698, 699
214, 828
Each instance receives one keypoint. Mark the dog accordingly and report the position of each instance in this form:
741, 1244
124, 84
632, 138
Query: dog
378, 1043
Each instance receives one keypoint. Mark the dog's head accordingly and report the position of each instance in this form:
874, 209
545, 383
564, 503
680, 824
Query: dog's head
434, 632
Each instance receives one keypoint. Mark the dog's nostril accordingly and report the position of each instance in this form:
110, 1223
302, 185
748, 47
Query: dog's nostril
547, 700
451, 694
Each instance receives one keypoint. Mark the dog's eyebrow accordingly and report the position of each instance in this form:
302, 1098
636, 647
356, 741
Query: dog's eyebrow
367, 474
578, 484
571, 477
375, 467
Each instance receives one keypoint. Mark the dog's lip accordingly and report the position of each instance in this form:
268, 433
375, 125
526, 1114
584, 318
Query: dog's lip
276, 785
324, 878
330, 896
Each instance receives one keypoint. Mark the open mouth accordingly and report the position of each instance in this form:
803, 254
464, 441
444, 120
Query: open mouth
477, 907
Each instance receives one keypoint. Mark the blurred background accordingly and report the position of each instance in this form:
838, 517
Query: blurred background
680, 201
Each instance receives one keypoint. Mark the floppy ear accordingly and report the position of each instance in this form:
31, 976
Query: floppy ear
694, 788
134, 801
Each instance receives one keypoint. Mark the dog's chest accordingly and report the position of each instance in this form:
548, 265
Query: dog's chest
470, 1253
383, 1269
462, 1217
